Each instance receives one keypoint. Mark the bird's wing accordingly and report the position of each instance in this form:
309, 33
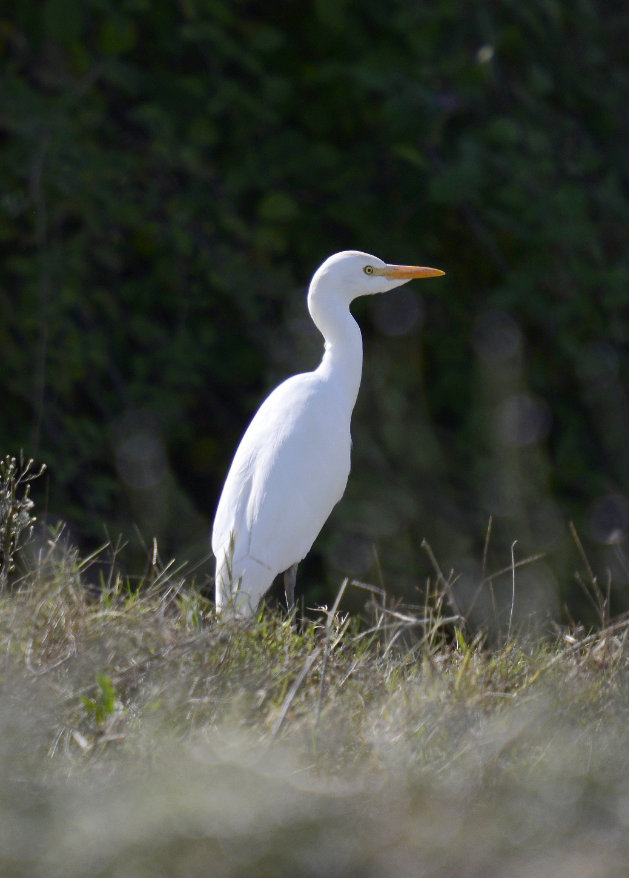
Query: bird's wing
232, 505
299, 477
251, 461
289, 471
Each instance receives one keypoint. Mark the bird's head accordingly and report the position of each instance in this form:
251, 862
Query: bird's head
351, 274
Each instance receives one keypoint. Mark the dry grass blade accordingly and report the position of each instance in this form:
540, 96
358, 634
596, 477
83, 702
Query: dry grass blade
592, 592
441, 580
310, 660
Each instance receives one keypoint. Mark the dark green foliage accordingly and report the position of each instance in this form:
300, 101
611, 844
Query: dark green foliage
172, 173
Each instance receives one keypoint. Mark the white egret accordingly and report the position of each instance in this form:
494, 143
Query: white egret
293, 462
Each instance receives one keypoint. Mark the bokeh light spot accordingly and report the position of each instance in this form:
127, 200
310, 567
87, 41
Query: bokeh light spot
497, 336
609, 519
399, 313
522, 419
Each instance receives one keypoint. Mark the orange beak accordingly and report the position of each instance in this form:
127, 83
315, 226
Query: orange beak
407, 272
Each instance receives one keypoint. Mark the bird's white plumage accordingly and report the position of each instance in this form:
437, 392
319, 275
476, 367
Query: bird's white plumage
292, 464
289, 471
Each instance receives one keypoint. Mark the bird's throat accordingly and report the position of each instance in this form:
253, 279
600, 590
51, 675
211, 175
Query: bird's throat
342, 363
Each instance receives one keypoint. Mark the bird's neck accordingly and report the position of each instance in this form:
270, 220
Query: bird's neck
342, 361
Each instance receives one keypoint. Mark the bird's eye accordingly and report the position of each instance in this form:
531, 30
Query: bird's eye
368, 269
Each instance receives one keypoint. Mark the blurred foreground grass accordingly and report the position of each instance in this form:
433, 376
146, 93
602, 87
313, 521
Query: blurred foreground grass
140, 737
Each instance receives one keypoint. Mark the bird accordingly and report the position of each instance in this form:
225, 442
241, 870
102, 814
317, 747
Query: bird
293, 462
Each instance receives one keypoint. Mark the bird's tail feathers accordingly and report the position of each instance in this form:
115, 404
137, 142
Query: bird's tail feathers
240, 584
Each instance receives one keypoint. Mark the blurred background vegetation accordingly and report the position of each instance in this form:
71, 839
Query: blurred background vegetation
173, 173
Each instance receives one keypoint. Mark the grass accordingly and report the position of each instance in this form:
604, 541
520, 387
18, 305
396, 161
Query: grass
141, 736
